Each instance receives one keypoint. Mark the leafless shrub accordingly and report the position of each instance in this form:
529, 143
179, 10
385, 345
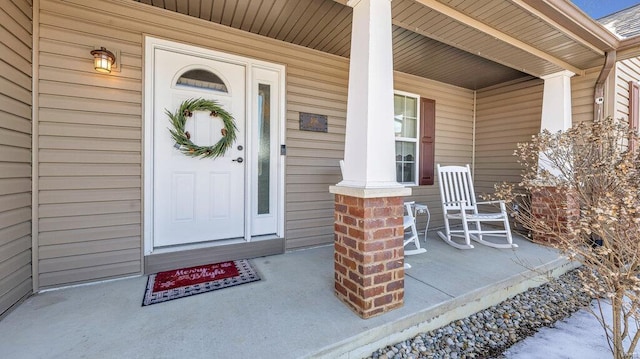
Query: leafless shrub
596, 171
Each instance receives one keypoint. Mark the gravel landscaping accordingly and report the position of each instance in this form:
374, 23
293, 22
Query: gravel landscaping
487, 334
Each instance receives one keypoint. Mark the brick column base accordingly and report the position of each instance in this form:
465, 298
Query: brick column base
369, 253
557, 207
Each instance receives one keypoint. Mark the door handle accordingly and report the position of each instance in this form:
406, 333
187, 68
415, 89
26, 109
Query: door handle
239, 160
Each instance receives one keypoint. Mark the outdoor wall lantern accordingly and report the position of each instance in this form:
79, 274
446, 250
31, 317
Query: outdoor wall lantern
103, 60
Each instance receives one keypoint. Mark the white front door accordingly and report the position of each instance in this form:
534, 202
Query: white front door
197, 199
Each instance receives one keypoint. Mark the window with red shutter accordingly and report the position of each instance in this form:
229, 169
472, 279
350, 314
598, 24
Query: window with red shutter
414, 125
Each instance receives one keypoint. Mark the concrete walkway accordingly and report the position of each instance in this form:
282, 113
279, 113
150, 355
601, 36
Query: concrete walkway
291, 313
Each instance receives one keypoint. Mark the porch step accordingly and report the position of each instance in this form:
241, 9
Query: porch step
213, 253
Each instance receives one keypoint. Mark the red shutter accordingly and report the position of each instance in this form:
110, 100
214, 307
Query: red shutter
634, 104
427, 140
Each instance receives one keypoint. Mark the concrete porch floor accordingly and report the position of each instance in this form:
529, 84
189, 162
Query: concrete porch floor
291, 313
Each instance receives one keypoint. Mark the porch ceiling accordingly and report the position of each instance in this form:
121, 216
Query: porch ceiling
468, 43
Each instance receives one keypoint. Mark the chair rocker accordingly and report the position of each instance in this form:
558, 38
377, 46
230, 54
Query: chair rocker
459, 203
409, 222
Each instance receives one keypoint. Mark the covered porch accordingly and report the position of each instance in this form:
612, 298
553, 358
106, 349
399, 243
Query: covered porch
75, 181
291, 313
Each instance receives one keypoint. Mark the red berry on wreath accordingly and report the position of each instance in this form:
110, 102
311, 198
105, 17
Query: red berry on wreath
223, 131
188, 135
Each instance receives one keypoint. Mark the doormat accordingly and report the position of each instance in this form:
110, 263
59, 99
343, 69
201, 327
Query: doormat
179, 283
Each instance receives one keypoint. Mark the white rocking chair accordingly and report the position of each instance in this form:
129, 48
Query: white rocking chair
459, 203
410, 223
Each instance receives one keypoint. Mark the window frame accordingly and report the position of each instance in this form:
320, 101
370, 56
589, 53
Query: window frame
415, 140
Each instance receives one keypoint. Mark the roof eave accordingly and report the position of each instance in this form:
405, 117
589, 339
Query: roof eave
574, 19
629, 47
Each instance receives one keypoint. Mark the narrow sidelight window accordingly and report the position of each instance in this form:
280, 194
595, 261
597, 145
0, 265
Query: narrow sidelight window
264, 147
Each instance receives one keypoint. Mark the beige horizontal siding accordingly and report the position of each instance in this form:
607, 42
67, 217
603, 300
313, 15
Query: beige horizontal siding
88, 235
626, 70
454, 134
510, 114
313, 157
506, 116
91, 128
582, 92
15, 152
90, 137
91, 133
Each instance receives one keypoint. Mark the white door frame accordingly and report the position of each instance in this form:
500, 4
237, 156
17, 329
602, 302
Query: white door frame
152, 43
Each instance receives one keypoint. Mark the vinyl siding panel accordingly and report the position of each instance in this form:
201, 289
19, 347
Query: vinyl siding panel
454, 134
312, 157
517, 107
582, 91
626, 70
506, 115
90, 136
91, 132
15, 152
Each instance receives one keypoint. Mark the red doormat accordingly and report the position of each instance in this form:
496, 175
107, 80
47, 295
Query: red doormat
174, 284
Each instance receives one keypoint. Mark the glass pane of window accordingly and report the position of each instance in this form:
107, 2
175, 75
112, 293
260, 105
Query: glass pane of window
264, 146
202, 79
398, 105
410, 127
397, 125
405, 121
405, 162
411, 107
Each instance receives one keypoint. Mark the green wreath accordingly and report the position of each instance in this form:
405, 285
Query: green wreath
183, 138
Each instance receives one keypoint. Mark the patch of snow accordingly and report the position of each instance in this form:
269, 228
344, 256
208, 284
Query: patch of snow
579, 336
612, 26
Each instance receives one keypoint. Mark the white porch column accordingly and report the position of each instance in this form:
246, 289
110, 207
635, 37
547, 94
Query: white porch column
556, 106
556, 102
369, 142
558, 207
368, 229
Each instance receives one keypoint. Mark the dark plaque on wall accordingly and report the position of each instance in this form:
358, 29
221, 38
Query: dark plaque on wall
313, 122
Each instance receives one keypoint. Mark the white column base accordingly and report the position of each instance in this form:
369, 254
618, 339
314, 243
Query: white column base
360, 192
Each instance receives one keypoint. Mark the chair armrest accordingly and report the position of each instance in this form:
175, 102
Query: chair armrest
454, 202
503, 206
490, 202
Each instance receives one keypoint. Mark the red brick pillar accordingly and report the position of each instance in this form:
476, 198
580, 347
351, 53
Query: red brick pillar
559, 208
369, 253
